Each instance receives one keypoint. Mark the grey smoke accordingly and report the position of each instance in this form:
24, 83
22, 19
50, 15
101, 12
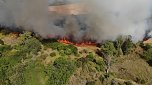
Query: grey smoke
106, 19
112, 18
30, 14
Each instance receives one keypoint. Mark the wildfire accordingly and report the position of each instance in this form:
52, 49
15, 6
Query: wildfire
84, 43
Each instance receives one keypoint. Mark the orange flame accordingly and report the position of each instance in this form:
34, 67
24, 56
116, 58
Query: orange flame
84, 43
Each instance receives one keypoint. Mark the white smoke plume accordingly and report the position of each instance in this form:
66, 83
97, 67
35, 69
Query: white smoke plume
106, 19
112, 18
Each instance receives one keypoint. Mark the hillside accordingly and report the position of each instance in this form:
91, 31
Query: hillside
28, 60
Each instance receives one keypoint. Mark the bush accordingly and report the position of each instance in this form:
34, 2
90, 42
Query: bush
99, 61
61, 71
15, 54
127, 46
4, 48
63, 49
147, 55
5, 67
31, 45
71, 49
109, 48
90, 57
118, 44
28, 44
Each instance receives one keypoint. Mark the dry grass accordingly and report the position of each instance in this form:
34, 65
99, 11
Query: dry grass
10, 39
148, 41
132, 67
71, 9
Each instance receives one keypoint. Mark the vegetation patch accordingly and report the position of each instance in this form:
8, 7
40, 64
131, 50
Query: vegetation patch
61, 71
63, 49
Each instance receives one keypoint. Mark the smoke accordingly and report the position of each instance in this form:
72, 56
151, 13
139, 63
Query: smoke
112, 18
105, 20
108, 19
29, 14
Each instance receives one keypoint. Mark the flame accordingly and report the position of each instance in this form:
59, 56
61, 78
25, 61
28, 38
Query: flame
84, 43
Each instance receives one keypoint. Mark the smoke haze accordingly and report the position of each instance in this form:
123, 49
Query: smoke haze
120, 17
106, 19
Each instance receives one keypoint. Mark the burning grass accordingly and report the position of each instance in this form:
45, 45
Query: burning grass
82, 43
70, 40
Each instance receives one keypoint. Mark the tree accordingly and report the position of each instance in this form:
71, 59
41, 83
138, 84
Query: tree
147, 55
127, 46
118, 44
109, 48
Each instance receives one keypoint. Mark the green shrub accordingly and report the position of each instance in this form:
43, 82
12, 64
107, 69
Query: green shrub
147, 55
109, 48
4, 48
63, 49
5, 67
142, 81
99, 61
127, 46
13, 55
28, 44
90, 57
55, 45
118, 44
72, 49
99, 64
61, 71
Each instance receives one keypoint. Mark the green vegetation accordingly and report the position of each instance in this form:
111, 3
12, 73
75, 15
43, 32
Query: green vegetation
109, 48
119, 47
127, 46
30, 61
61, 71
26, 44
147, 53
63, 49
12, 57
